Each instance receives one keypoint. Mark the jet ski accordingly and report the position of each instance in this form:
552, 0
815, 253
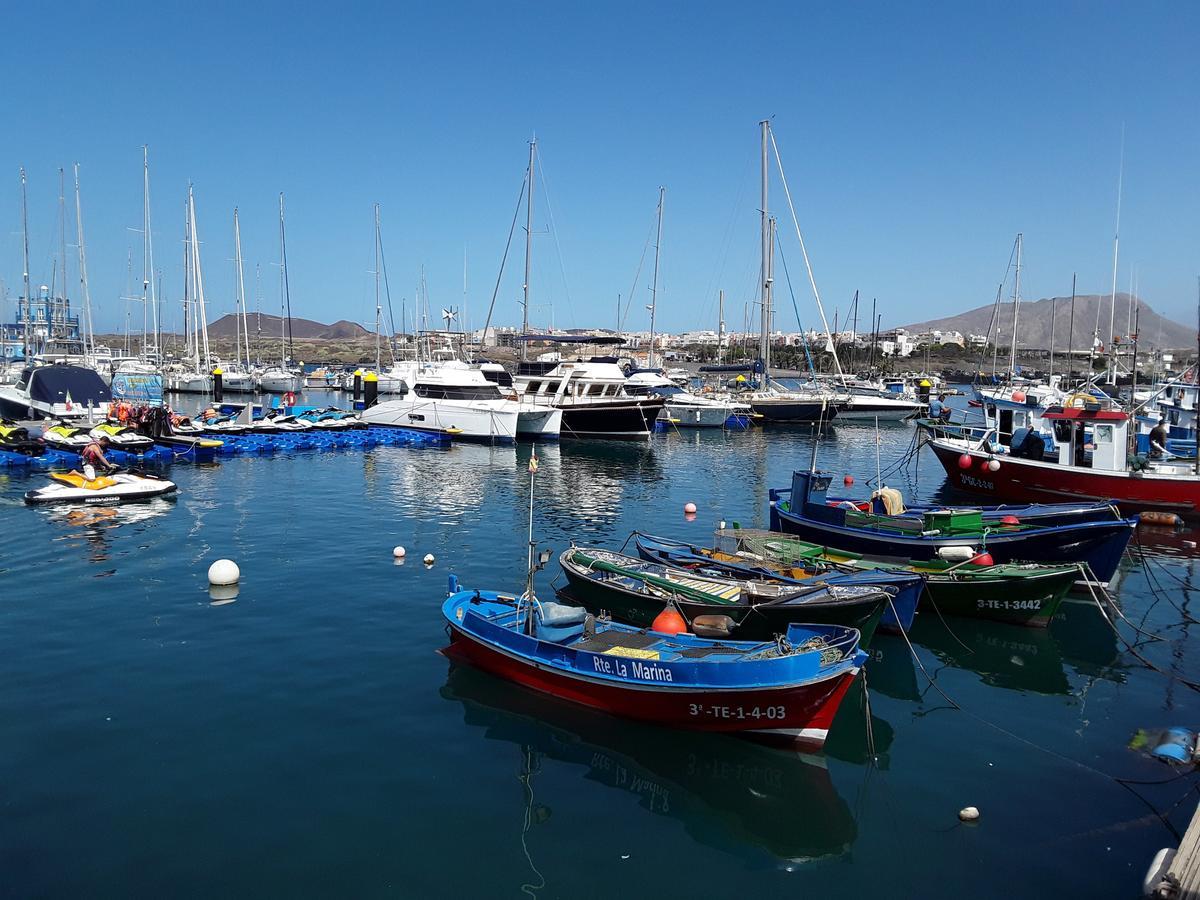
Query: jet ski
122, 437
331, 419
277, 422
123, 487
62, 436
15, 439
212, 421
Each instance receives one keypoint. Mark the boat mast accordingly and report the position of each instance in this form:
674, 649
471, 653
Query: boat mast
241, 322
201, 317
89, 339
284, 304
528, 248
1053, 318
25, 246
720, 328
1197, 370
1112, 307
1012, 359
378, 308
65, 306
764, 336
662, 192
148, 288
187, 286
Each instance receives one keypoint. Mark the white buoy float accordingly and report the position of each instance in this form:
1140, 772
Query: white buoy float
398, 552
689, 508
224, 571
429, 560
969, 814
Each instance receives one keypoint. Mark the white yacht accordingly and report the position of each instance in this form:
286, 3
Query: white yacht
451, 395
278, 380
685, 409
59, 391
592, 397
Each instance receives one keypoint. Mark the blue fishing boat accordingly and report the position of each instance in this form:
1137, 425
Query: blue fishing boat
949, 533
785, 689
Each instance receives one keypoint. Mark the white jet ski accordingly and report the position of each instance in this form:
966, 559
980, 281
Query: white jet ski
62, 436
122, 487
122, 437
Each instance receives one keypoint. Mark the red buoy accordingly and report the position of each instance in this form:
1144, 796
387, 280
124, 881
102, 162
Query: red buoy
848, 480
964, 461
1009, 520
669, 621
1018, 396
983, 559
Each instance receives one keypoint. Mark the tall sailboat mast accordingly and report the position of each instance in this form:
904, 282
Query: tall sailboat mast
528, 247
86, 296
149, 293
1012, 359
378, 307
25, 251
65, 305
764, 337
662, 193
240, 319
287, 298
200, 315
1112, 306
720, 327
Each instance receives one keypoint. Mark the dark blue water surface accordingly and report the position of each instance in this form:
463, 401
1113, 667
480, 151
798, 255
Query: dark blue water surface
307, 740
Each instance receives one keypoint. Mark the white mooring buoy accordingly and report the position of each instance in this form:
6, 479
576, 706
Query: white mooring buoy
969, 814
429, 560
224, 571
398, 552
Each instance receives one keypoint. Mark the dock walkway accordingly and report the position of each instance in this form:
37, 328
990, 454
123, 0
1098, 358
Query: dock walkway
1175, 875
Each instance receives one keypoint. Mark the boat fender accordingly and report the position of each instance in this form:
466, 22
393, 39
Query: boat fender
713, 626
1170, 745
1009, 520
452, 585
983, 559
964, 461
955, 554
1159, 518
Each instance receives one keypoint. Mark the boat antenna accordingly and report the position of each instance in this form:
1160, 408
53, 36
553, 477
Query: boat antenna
1071, 332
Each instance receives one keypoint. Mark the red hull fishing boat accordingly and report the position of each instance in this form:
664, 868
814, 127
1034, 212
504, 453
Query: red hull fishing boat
1092, 463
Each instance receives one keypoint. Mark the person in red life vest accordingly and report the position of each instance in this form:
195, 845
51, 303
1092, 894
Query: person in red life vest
94, 459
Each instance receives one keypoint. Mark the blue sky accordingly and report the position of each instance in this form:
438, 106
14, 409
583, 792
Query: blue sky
918, 139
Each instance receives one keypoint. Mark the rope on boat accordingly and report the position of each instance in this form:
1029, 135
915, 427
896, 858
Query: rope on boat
904, 462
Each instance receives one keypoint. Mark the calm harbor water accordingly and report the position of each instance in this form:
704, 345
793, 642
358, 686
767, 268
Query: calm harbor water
307, 740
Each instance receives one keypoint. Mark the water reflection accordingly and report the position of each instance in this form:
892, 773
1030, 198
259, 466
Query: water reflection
780, 802
92, 524
1004, 656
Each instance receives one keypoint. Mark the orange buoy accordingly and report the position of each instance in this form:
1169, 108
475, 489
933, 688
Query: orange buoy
848, 480
1018, 396
1009, 520
669, 621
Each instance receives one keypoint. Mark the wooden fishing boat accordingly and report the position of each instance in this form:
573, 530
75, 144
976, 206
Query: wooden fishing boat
953, 533
637, 591
1021, 594
785, 690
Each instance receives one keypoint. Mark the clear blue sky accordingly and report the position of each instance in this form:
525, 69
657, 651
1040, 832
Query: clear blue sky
917, 138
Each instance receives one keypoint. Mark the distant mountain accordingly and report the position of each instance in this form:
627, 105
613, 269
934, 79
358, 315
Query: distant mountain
302, 329
1034, 323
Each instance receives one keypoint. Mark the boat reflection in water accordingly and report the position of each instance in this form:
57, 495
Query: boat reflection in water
1003, 656
780, 802
91, 524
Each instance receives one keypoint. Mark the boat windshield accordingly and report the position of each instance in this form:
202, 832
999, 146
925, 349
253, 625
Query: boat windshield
458, 392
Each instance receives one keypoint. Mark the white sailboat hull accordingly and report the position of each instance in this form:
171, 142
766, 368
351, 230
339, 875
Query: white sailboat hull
702, 414
279, 384
536, 422
885, 409
189, 383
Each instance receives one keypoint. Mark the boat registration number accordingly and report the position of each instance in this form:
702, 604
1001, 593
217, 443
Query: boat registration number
740, 713
1033, 605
